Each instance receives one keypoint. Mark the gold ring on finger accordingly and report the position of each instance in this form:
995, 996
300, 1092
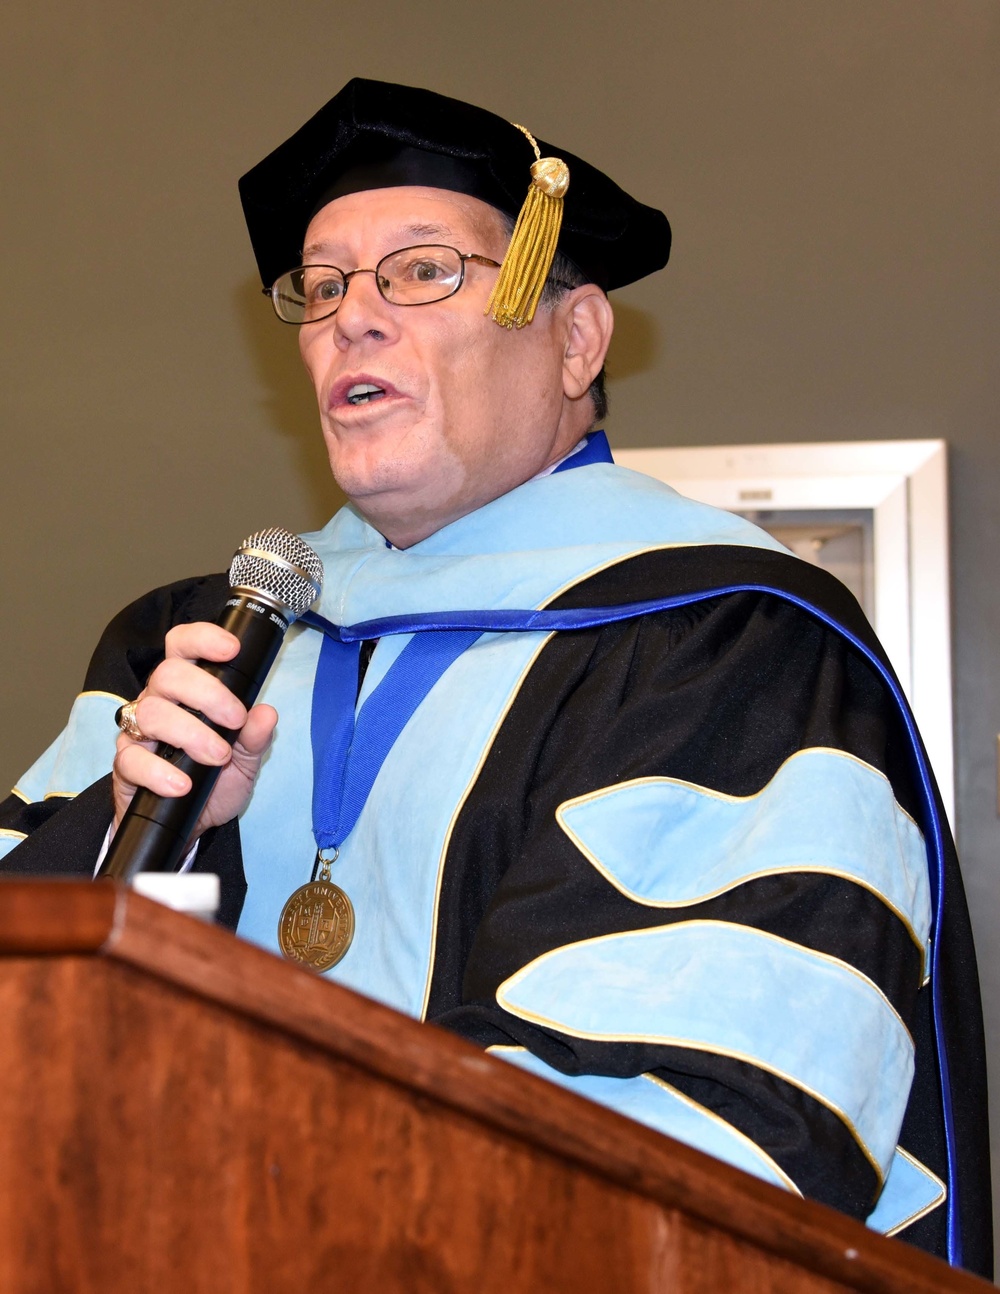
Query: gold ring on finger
127, 723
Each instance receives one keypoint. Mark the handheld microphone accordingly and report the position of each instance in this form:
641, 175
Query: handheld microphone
275, 576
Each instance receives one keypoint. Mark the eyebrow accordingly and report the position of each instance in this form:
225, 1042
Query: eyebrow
404, 232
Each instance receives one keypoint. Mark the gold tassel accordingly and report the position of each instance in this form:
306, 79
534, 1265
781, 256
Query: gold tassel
526, 266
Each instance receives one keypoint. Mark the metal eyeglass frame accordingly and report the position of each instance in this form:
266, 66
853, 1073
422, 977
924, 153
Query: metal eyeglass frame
347, 275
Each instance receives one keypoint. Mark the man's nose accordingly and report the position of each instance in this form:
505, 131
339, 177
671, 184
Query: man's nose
363, 311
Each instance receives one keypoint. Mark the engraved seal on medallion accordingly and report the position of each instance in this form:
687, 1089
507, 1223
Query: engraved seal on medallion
316, 925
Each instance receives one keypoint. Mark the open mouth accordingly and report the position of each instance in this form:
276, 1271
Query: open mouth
357, 389
364, 393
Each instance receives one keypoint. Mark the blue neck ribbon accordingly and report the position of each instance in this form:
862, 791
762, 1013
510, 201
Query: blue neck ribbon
348, 752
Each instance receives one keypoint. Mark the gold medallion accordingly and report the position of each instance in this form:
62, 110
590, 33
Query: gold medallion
316, 925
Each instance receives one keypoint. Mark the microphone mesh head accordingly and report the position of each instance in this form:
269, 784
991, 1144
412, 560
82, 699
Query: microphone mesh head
279, 565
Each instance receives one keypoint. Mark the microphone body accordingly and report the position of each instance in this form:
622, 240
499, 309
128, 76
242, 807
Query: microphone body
154, 832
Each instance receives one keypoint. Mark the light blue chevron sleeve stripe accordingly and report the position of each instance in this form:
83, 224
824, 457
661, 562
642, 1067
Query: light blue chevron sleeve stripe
669, 843
650, 1101
911, 1190
8, 841
31, 787
735, 991
82, 753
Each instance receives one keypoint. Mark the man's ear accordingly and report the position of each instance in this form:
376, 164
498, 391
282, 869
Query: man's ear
589, 323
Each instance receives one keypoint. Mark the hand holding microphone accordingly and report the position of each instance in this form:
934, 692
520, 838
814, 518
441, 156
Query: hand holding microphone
196, 706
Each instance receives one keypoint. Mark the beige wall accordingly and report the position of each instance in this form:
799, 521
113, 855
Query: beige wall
831, 171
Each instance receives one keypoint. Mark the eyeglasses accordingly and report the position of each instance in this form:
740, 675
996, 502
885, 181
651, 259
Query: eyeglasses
413, 276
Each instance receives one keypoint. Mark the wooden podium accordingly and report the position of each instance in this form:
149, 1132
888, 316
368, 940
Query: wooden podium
181, 1111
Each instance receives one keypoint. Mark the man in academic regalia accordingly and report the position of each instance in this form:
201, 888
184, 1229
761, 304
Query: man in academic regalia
598, 777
